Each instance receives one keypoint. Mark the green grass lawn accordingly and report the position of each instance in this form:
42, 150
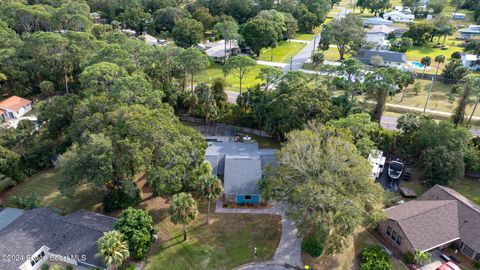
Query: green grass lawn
232, 81
228, 241
45, 184
308, 36
282, 53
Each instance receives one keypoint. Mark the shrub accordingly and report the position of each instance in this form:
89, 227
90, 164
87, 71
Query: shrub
45, 267
27, 202
6, 182
409, 258
119, 199
374, 258
138, 228
313, 246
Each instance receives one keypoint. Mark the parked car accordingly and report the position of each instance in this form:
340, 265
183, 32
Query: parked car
407, 174
449, 266
395, 168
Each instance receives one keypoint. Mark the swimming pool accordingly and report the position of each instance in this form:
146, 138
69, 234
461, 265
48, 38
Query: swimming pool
416, 65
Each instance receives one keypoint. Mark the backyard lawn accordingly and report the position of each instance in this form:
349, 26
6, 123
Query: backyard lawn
282, 53
232, 81
45, 184
348, 258
228, 241
308, 36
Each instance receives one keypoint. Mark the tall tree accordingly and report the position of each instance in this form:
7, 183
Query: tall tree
379, 85
187, 33
347, 33
269, 75
352, 71
192, 61
258, 34
229, 32
457, 4
165, 19
113, 249
209, 188
240, 65
467, 90
326, 204
426, 61
183, 209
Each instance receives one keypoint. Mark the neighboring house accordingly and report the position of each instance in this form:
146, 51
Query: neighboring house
377, 35
33, 237
459, 16
15, 107
377, 21
240, 166
438, 218
390, 58
216, 50
97, 17
129, 32
471, 61
151, 40
470, 32
399, 16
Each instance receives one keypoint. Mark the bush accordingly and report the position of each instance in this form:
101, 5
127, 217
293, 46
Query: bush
6, 183
409, 258
374, 258
138, 229
27, 202
313, 246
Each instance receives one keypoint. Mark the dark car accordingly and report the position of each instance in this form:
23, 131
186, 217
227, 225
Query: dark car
407, 174
395, 168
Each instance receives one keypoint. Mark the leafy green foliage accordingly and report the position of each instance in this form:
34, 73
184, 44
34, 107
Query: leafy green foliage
25, 202
441, 165
313, 246
375, 258
187, 33
113, 248
259, 33
347, 33
322, 200
183, 210
138, 229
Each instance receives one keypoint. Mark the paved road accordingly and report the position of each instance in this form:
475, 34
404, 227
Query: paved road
288, 252
299, 59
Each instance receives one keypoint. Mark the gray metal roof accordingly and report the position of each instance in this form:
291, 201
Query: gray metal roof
241, 164
242, 174
76, 234
9, 215
388, 56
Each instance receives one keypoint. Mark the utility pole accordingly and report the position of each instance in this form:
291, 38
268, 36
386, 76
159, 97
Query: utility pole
314, 43
291, 63
429, 93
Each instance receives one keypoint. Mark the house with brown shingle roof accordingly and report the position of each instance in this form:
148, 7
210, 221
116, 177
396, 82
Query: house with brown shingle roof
438, 218
14, 107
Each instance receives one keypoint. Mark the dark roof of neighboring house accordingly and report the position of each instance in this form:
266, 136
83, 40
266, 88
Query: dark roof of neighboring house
365, 56
427, 224
468, 213
437, 217
75, 234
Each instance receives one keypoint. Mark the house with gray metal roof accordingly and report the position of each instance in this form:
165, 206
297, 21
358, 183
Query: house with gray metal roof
438, 218
390, 58
30, 238
240, 166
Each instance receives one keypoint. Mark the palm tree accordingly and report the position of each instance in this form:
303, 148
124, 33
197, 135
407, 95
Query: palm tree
317, 60
210, 189
378, 85
113, 249
183, 210
476, 93
438, 59
426, 61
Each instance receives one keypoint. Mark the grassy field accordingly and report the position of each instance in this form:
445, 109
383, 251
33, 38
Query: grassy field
348, 258
228, 241
308, 36
45, 184
232, 81
282, 53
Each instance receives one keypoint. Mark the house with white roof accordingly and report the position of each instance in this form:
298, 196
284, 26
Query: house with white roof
240, 166
399, 16
151, 40
459, 16
470, 32
217, 51
471, 61
378, 34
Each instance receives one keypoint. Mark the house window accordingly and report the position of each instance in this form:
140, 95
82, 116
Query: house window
394, 236
467, 250
477, 258
248, 197
389, 230
399, 240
